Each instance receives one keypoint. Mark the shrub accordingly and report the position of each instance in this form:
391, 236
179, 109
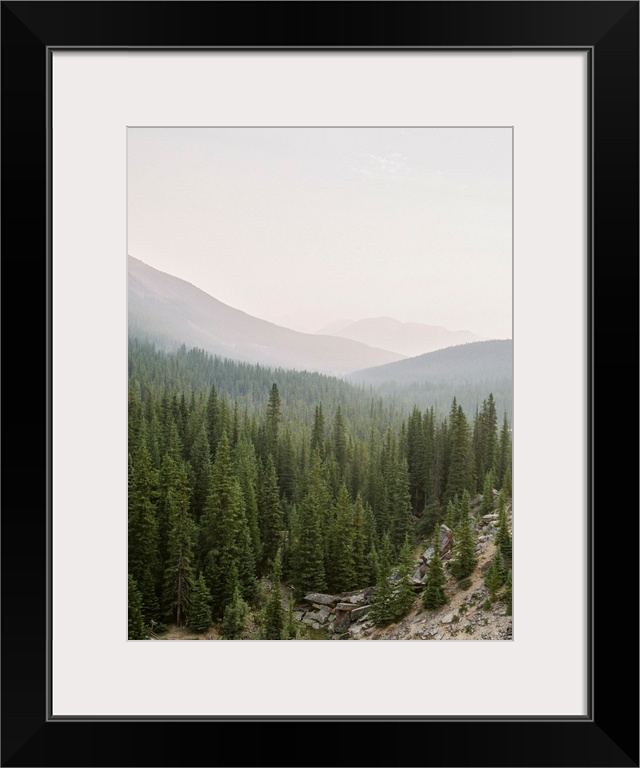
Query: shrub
464, 585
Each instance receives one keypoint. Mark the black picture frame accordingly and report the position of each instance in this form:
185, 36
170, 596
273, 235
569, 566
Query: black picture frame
608, 735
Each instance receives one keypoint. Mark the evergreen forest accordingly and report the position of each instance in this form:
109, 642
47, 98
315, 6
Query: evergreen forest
250, 487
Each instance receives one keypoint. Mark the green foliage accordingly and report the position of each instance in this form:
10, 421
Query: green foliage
383, 610
308, 571
341, 569
137, 628
200, 612
496, 576
293, 628
179, 568
230, 462
434, 596
404, 596
503, 535
463, 561
487, 494
270, 515
274, 622
507, 595
464, 584
234, 622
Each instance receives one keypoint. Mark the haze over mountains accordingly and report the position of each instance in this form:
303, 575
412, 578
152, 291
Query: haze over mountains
409, 339
171, 312
477, 361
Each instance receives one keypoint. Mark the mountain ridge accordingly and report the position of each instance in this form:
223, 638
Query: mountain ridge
406, 338
172, 311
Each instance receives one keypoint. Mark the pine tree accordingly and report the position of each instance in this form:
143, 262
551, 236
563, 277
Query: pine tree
487, 494
286, 469
450, 516
506, 483
363, 538
504, 453
341, 565
200, 464
496, 576
383, 611
213, 420
273, 420
178, 574
417, 461
292, 624
317, 434
200, 612
457, 474
400, 505
143, 532
405, 595
274, 624
308, 569
434, 596
137, 628
464, 561
234, 623
222, 538
507, 595
247, 472
340, 442
503, 535
270, 516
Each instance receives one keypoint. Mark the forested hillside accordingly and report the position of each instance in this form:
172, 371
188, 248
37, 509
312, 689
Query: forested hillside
247, 485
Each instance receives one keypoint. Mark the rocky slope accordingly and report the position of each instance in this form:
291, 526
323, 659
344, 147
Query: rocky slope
467, 616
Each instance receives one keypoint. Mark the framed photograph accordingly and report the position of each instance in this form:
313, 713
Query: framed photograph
485, 169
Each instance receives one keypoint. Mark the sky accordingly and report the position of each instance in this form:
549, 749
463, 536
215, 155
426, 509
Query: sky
311, 226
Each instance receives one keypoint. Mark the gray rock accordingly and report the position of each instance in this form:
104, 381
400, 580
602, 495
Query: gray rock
447, 619
357, 613
315, 625
355, 599
298, 615
315, 597
345, 607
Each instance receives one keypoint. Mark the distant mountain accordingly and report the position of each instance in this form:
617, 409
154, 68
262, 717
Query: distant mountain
465, 364
409, 339
171, 312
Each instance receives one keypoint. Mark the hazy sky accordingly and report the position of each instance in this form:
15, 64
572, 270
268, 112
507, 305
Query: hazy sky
307, 226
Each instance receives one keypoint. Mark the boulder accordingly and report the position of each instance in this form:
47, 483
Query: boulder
446, 542
447, 619
316, 597
486, 519
342, 617
359, 612
345, 607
